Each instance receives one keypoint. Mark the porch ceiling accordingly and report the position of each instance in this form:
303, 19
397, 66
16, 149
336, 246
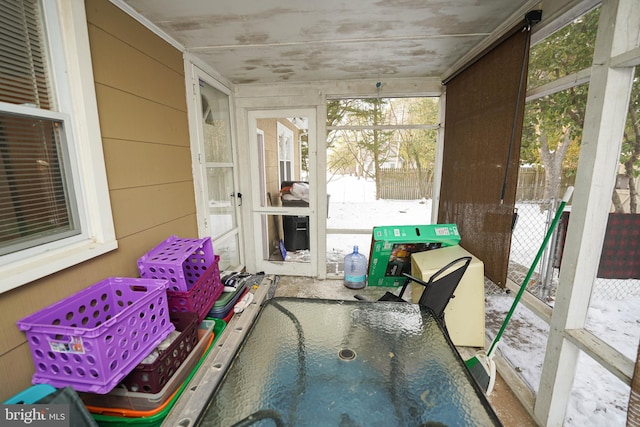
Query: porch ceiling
290, 40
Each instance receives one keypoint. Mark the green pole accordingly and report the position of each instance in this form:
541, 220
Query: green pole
547, 237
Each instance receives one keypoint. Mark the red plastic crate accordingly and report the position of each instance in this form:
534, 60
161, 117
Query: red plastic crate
92, 339
180, 261
201, 297
152, 377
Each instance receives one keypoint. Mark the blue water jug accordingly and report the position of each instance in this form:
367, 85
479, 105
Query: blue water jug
355, 270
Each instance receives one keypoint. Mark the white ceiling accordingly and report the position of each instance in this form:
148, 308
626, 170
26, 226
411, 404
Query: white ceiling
297, 41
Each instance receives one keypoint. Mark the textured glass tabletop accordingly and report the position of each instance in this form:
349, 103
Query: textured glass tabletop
310, 362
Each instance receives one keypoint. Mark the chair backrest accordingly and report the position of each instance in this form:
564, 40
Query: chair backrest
441, 285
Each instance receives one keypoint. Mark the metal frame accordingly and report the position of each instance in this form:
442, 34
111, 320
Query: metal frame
192, 402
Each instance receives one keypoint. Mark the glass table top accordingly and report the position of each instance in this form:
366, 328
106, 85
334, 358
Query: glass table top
311, 362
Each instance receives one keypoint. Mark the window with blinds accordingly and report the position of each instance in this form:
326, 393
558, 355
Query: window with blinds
36, 198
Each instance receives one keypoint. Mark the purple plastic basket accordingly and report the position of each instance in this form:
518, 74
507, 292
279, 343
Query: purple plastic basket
201, 297
92, 339
180, 261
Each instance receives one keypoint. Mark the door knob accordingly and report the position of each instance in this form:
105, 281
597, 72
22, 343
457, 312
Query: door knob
239, 196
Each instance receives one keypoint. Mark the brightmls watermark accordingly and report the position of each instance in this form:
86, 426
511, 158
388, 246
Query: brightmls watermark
39, 415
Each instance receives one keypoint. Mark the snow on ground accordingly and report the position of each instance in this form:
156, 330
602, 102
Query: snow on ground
598, 398
353, 205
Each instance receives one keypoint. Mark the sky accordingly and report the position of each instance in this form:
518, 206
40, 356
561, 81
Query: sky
598, 398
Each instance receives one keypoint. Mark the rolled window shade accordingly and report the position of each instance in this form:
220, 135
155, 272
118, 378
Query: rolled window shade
483, 128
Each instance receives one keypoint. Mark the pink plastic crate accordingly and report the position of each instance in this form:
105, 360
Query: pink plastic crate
201, 297
92, 339
180, 261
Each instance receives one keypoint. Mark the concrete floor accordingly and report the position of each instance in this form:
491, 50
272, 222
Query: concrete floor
508, 408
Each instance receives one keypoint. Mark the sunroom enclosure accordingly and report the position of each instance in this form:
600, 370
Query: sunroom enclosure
127, 93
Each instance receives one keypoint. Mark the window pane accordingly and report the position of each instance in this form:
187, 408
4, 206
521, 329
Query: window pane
551, 138
598, 398
613, 309
339, 245
524, 340
228, 252
34, 191
221, 205
382, 111
567, 51
23, 69
216, 128
285, 238
380, 168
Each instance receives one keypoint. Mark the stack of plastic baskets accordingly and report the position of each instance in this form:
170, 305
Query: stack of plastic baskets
122, 408
92, 339
223, 307
152, 376
191, 268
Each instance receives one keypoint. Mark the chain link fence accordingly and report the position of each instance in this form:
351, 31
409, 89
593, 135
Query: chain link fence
533, 221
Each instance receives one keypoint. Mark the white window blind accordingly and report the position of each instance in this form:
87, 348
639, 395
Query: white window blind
36, 198
22, 56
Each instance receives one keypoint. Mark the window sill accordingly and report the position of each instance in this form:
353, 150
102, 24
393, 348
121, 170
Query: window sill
22, 272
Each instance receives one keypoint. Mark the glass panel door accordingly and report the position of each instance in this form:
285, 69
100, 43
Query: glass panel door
284, 192
222, 197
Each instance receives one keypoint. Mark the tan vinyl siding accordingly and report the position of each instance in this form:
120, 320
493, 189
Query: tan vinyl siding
126, 116
141, 208
143, 119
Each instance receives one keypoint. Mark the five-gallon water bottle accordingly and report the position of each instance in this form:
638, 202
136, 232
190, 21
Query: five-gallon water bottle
355, 270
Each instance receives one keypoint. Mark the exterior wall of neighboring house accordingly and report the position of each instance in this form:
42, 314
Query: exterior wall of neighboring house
624, 192
270, 129
296, 150
272, 181
140, 90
